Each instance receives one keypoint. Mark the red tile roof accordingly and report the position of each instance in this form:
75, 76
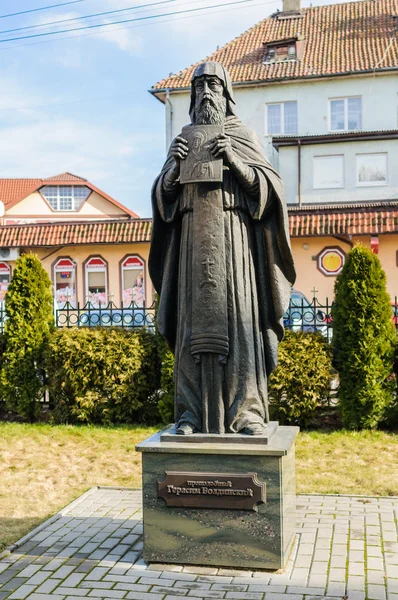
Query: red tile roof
338, 39
114, 231
17, 189
344, 221
13, 191
303, 222
66, 177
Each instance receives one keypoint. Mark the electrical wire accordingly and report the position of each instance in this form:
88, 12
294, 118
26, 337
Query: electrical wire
84, 35
101, 14
124, 21
32, 10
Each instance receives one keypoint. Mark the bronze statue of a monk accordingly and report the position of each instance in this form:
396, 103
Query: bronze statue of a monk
222, 265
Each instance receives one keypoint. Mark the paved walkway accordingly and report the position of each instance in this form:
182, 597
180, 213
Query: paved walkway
346, 547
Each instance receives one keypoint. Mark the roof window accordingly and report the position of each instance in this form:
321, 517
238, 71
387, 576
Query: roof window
280, 51
65, 197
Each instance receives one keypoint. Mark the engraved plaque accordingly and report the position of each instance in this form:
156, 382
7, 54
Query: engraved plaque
200, 165
231, 491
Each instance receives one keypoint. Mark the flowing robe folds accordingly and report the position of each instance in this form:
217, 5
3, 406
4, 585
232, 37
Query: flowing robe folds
259, 272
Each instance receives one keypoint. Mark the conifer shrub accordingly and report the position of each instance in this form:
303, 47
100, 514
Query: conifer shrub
301, 381
364, 340
103, 375
29, 321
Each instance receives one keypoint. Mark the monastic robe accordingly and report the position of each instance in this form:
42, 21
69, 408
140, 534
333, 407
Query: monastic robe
259, 274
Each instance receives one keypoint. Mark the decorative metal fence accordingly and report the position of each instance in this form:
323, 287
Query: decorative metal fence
302, 315
110, 315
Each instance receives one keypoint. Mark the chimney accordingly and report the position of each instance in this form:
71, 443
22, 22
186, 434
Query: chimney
290, 6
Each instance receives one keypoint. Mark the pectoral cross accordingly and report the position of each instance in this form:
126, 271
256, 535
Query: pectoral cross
207, 273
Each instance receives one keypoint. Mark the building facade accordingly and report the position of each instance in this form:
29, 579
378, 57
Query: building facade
93, 248
320, 88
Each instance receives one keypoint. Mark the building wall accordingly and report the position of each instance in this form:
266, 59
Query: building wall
308, 275
305, 251
35, 208
112, 253
379, 102
351, 192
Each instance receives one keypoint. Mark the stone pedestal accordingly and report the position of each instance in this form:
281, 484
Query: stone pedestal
217, 503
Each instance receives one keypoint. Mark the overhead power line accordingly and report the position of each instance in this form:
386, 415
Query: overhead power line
31, 10
36, 35
92, 16
94, 33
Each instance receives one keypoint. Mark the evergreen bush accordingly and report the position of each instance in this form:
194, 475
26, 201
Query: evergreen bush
29, 320
103, 375
300, 383
364, 340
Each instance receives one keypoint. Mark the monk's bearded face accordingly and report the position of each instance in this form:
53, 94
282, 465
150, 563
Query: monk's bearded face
210, 101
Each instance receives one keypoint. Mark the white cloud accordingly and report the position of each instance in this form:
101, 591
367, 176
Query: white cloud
124, 39
49, 146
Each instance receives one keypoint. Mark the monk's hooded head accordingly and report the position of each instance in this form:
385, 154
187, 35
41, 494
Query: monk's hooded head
211, 94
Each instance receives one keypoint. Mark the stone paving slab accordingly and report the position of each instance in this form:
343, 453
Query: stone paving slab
346, 547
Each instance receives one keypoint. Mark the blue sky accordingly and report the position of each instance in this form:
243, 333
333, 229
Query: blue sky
81, 104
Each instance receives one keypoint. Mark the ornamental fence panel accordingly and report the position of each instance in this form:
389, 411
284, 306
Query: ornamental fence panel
109, 315
302, 315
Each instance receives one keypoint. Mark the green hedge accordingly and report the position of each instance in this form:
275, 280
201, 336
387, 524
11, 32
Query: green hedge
301, 381
101, 375
299, 384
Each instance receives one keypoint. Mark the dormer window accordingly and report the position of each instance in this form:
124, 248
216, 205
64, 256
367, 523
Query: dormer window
281, 50
65, 197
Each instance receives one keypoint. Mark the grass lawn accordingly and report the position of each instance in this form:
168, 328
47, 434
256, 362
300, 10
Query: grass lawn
43, 467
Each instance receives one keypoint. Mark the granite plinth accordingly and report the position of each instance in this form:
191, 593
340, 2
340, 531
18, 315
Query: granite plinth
252, 539
170, 435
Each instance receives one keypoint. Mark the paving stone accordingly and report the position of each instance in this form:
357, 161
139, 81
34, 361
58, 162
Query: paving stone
205, 595
72, 591
376, 592
192, 585
37, 596
245, 595
107, 593
169, 590
179, 576
23, 592
144, 596
13, 584
47, 586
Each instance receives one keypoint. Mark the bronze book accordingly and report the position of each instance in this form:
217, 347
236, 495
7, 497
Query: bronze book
200, 165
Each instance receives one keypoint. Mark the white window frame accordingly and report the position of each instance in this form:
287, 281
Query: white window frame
104, 269
327, 187
345, 98
124, 269
58, 209
371, 183
69, 269
282, 104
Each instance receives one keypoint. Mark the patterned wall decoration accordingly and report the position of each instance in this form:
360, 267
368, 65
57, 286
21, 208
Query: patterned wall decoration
330, 261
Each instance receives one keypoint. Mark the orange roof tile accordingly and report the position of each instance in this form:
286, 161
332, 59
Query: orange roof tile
13, 191
17, 189
303, 222
338, 39
114, 231
65, 177
344, 221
